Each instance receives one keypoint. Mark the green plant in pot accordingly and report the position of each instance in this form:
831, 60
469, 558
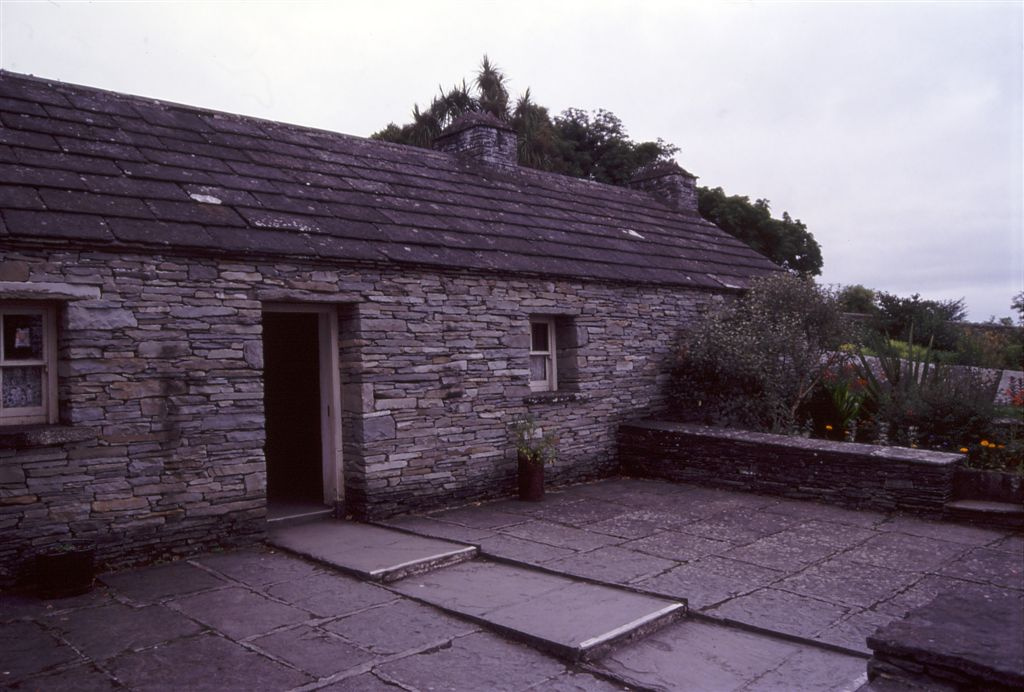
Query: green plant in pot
67, 568
534, 449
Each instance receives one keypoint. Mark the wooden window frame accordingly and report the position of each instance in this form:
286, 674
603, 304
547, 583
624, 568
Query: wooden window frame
47, 412
551, 355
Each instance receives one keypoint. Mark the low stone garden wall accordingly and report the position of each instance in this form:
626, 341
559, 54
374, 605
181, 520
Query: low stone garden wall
993, 486
841, 473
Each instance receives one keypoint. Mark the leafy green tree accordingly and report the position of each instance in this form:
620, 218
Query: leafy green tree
786, 241
1017, 305
858, 299
930, 321
539, 141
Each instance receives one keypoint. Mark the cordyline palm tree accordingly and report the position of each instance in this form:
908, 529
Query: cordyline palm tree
491, 97
538, 141
490, 83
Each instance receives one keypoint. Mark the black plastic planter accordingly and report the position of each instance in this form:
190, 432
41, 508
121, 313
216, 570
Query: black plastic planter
531, 480
66, 570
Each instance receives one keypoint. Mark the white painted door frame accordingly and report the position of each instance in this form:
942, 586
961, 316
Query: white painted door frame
330, 393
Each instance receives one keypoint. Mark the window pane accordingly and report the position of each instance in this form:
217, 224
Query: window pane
23, 337
538, 368
21, 387
539, 332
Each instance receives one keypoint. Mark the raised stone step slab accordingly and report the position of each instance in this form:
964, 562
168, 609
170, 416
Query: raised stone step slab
987, 513
968, 639
572, 619
701, 655
368, 552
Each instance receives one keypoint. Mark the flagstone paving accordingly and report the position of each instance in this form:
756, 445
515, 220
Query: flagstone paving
804, 569
263, 620
258, 620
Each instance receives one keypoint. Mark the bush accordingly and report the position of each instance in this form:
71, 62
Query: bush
755, 363
990, 347
923, 402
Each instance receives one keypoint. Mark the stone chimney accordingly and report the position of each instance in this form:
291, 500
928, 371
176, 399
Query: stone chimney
670, 182
480, 137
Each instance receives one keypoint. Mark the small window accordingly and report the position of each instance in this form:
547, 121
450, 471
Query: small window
543, 377
28, 376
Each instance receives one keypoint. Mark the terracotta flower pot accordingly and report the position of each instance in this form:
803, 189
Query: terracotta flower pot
531, 479
66, 571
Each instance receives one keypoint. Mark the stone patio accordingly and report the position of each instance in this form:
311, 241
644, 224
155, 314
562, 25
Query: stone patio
783, 595
802, 569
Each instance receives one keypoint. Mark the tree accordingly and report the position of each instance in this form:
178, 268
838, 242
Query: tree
787, 242
595, 146
929, 320
858, 299
1017, 305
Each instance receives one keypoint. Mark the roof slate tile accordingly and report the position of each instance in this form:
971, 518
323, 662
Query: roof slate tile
194, 211
61, 162
56, 225
160, 233
155, 171
12, 197
19, 106
77, 201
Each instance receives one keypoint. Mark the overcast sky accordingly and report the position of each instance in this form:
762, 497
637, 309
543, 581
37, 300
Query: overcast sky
893, 130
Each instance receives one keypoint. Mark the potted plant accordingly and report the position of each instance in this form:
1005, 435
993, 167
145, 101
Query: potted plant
67, 568
534, 449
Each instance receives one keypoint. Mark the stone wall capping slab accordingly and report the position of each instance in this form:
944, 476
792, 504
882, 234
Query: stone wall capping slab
32, 290
555, 398
297, 296
27, 436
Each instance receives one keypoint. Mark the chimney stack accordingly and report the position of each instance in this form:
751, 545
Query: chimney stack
670, 182
480, 137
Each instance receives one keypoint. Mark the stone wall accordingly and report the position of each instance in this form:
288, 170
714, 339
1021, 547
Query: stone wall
841, 473
160, 383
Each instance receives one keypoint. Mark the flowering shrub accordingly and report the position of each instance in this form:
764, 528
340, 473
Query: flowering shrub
756, 362
1005, 452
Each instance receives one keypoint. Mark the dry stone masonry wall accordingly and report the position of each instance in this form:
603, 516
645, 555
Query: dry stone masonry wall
852, 475
161, 394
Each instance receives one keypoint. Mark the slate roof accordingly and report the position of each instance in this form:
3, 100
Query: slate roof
84, 167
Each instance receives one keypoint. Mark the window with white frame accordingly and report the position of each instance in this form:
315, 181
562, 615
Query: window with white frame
543, 361
28, 373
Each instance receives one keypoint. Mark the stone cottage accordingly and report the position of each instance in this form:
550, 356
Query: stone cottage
209, 319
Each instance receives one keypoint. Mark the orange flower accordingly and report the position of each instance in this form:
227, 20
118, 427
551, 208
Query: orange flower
984, 443
828, 427
964, 450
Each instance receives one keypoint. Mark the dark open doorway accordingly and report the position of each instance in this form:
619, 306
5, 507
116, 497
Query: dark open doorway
292, 401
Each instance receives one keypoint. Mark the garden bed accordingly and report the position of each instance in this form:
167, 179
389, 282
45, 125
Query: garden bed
842, 473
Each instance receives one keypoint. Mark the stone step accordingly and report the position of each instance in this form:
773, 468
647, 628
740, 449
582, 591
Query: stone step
572, 619
368, 552
964, 639
701, 655
987, 513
